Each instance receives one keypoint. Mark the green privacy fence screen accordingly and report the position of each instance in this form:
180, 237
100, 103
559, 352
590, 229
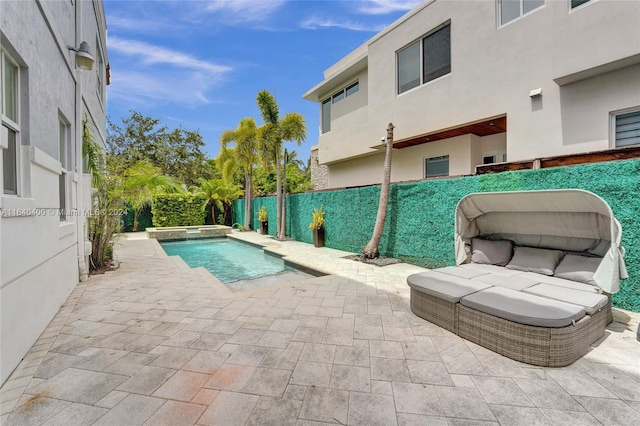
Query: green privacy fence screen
420, 217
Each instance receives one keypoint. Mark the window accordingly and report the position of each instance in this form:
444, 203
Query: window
437, 166
100, 70
627, 128
429, 57
10, 128
350, 90
63, 156
488, 159
576, 3
512, 9
326, 115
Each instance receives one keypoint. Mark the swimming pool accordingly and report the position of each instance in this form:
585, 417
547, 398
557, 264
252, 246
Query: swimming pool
230, 261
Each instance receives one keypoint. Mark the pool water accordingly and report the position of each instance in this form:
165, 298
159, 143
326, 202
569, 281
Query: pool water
227, 260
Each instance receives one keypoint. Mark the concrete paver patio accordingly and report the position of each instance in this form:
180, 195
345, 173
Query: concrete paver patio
156, 343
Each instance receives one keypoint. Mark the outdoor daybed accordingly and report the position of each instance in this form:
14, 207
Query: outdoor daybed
535, 273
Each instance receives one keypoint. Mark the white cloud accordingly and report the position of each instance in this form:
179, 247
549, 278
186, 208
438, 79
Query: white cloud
140, 25
316, 23
153, 55
242, 11
383, 7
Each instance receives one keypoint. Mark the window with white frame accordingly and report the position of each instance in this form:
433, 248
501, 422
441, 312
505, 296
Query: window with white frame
10, 75
627, 128
100, 71
512, 9
425, 59
341, 94
436, 166
577, 3
63, 156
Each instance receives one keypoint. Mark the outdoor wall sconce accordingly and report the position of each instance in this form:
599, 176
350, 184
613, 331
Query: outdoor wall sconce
84, 58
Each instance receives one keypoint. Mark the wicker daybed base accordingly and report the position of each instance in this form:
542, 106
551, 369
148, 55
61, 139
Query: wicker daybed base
547, 347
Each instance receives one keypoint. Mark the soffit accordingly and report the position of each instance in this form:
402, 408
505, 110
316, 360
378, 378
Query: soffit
482, 128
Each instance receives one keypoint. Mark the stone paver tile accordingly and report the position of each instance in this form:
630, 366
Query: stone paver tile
284, 325
247, 355
311, 374
229, 409
206, 362
147, 380
205, 396
429, 372
351, 378
182, 386
416, 399
275, 339
548, 394
610, 411
275, 411
573, 418
268, 382
209, 341
97, 359
35, 410
230, 377
246, 336
77, 415
112, 399
509, 415
500, 366
174, 357
226, 327
167, 329
182, 339
130, 364
313, 322
306, 334
347, 355
200, 325
382, 349
306, 310
174, 413
389, 369
133, 410
283, 359
398, 334
325, 405
622, 385
371, 409
381, 387
462, 381
318, 353
142, 326
501, 390
371, 332
54, 363
296, 392
405, 419
334, 336
421, 351
82, 386
581, 384
464, 403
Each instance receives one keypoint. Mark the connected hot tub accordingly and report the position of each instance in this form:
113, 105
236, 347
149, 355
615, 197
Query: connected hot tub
188, 232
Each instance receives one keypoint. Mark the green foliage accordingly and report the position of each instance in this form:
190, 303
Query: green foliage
220, 193
178, 152
178, 209
420, 220
263, 215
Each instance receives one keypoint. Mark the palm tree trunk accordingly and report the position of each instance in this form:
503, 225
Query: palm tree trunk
283, 220
247, 200
213, 211
371, 250
278, 196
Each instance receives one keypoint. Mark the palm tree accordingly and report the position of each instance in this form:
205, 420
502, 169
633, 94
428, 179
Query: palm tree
272, 134
141, 182
219, 194
245, 138
371, 250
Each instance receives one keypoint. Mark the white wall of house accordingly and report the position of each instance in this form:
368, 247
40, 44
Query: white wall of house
585, 61
43, 257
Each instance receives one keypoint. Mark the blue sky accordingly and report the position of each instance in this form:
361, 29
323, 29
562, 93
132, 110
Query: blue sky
201, 63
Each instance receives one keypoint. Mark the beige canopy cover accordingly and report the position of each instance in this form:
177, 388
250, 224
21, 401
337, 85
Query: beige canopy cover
566, 219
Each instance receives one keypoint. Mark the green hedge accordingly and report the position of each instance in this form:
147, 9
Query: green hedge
420, 219
145, 219
178, 210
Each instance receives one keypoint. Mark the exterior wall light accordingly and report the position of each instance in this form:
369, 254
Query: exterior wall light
84, 58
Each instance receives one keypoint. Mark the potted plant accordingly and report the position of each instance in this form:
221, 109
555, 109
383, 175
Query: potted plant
317, 226
262, 218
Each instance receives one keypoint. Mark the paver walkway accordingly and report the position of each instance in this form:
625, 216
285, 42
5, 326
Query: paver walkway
158, 343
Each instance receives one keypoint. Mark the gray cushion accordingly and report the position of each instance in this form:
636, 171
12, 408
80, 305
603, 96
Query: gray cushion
461, 272
524, 308
578, 268
514, 283
591, 302
492, 269
444, 286
560, 282
529, 259
490, 252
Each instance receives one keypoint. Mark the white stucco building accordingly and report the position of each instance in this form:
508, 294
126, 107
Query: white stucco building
45, 97
482, 81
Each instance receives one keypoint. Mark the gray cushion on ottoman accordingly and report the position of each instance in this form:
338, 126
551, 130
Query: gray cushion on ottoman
461, 272
530, 259
561, 282
591, 302
516, 283
492, 269
523, 308
578, 268
443, 286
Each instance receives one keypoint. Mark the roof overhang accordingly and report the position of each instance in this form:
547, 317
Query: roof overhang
484, 127
341, 75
